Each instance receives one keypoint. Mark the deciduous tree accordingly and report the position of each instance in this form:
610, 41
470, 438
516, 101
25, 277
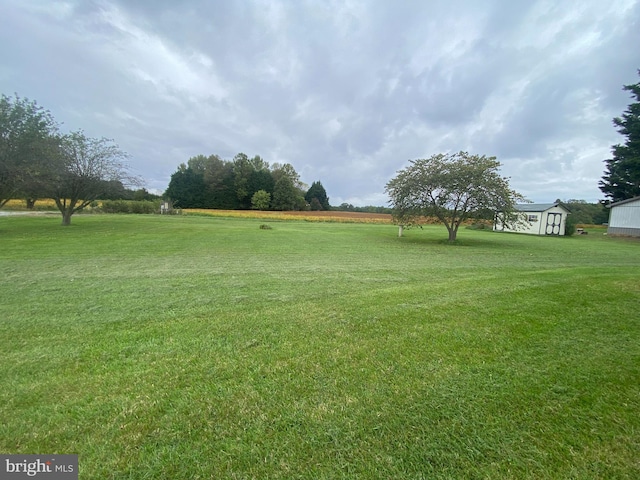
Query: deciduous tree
27, 139
279, 170
86, 168
261, 200
242, 170
286, 196
450, 187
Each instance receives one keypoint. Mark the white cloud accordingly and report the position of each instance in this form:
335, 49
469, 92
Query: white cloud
153, 60
347, 92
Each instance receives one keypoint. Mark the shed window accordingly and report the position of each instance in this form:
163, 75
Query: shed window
533, 218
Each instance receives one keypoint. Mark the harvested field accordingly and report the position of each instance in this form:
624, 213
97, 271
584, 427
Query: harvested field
352, 215
319, 216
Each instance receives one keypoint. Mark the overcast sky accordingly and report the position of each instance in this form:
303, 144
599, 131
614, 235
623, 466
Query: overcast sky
345, 91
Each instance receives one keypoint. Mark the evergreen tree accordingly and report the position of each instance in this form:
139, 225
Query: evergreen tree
314, 205
186, 188
318, 192
260, 180
220, 184
621, 179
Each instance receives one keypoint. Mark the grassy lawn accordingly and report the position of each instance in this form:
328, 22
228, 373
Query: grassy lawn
193, 347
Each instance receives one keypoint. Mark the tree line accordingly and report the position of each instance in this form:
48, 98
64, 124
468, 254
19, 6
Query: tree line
586, 213
242, 183
38, 161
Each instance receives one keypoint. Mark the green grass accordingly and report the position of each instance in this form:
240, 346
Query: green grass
190, 347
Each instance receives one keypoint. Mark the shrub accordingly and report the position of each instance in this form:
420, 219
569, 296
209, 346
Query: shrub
130, 206
479, 226
570, 226
261, 200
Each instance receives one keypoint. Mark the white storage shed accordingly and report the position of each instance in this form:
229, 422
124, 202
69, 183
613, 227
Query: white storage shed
624, 218
538, 219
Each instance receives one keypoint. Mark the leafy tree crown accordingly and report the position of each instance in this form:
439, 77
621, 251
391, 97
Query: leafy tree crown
450, 187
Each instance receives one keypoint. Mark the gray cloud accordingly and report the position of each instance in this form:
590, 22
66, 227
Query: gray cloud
347, 92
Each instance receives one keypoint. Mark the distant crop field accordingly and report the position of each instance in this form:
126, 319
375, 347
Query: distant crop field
328, 216
314, 216
20, 204
198, 346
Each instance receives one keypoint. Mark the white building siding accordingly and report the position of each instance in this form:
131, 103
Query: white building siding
550, 221
553, 221
532, 224
624, 219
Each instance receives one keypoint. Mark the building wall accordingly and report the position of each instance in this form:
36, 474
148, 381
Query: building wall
531, 227
625, 219
563, 220
628, 232
535, 226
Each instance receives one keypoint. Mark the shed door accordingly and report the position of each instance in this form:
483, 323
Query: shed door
553, 224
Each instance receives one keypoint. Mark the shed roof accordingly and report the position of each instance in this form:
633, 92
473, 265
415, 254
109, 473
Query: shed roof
628, 200
537, 207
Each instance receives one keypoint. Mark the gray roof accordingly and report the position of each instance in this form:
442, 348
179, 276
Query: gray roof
535, 207
628, 200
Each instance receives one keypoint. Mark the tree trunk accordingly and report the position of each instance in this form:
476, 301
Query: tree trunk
400, 229
453, 233
66, 217
31, 202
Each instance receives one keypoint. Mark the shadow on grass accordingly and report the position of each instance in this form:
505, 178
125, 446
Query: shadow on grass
484, 239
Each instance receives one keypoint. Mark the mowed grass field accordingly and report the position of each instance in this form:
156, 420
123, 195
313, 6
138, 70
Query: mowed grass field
195, 348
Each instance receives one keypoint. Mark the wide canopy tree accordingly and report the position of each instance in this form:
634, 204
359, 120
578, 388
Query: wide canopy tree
87, 168
621, 179
28, 136
286, 196
450, 187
